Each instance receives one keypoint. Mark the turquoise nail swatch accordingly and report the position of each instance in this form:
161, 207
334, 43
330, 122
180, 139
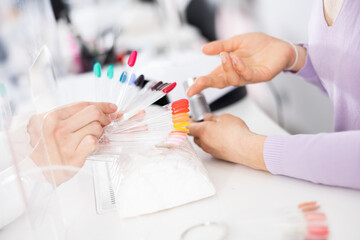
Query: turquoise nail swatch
97, 69
2, 90
110, 72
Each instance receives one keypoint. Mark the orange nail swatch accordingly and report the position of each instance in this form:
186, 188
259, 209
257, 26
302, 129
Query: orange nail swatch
307, 204
180, 118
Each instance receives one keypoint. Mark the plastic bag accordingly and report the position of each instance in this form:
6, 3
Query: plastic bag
161, 178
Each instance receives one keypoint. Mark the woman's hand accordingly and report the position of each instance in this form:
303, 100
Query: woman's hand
254, 57
70, 134
227, 137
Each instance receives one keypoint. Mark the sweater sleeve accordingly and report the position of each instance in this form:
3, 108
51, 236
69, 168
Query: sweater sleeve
326, 158
308, 73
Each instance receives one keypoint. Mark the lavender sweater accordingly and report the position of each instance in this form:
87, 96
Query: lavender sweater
333, 65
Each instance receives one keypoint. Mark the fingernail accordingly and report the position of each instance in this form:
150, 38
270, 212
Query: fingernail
109, 118
223, 57
234, 59
113, 106
188, 92
207, 116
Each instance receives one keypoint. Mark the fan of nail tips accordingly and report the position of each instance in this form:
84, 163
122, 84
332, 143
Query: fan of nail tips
155, 127
128, 92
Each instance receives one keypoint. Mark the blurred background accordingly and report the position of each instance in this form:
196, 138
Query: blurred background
168, 34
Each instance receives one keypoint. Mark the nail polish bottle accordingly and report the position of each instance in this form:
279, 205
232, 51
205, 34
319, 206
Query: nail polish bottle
198, 104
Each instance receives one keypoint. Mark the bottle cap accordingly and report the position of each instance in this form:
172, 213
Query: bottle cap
198, 104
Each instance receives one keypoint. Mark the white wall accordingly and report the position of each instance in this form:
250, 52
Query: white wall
304, 109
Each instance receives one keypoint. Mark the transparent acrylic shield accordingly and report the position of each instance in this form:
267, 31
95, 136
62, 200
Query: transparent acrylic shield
43, 194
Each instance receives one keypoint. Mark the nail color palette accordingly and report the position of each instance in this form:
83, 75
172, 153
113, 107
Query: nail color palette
316, 225
180, 119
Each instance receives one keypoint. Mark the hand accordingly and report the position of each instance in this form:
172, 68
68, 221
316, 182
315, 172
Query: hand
255, 57
70, 134
228, 137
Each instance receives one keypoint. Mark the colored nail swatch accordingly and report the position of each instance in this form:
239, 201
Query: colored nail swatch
97, 69
315, 221
123, 77
110, 72
180, 119
2, 90
132, 58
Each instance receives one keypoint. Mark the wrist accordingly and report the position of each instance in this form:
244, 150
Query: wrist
252, 152
296, 57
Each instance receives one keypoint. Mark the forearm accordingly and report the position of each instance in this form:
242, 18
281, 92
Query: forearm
251, 152
328, 158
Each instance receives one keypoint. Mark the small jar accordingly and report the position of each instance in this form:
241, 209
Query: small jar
198, 104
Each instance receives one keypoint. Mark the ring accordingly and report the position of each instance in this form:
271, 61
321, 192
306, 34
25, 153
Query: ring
206, 225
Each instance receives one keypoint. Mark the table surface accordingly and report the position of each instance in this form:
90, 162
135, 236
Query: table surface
245, 198
243, 195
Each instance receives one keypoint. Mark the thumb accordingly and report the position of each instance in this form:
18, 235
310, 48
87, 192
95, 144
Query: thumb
245, 72
196, 129
106, 108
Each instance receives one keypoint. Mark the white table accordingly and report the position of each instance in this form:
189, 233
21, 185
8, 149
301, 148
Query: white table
241, 193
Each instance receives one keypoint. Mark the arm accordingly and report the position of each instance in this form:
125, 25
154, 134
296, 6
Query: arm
327, 158
305, 69
62, 137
